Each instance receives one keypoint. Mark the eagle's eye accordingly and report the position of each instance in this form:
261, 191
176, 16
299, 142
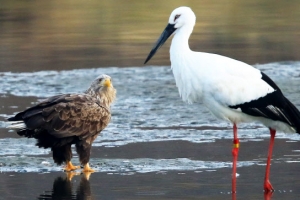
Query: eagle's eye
100, 80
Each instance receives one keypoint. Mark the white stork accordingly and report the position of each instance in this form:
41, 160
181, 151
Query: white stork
230, 89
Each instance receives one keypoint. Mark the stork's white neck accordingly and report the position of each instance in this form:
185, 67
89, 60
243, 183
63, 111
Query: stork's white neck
180, 42
180, 55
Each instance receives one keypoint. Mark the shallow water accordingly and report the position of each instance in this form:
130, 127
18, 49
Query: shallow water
156, 145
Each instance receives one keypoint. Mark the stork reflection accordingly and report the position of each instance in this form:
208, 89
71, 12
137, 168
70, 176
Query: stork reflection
64, 188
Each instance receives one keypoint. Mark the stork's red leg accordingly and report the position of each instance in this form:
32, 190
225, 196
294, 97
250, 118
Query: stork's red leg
267, 185
235, 151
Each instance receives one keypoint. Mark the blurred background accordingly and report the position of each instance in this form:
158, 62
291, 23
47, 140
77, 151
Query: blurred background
72, 34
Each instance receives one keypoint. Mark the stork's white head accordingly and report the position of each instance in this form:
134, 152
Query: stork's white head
182, 18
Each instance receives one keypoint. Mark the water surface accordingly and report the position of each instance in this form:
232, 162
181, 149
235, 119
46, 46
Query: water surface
155, 140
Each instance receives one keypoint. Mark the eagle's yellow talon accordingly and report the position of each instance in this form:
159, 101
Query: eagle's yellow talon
70, 167
87, 168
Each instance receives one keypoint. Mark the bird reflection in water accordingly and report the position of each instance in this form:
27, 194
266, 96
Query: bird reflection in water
267, 195
63, 188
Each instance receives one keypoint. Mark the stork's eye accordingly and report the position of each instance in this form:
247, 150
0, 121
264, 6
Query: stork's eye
176, 17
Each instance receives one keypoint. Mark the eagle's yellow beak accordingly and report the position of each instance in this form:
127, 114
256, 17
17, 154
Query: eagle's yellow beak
107, 82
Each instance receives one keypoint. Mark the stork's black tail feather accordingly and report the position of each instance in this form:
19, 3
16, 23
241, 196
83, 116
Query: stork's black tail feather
294, 115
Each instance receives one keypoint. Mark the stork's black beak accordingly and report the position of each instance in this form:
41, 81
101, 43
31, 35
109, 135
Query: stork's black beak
162, 39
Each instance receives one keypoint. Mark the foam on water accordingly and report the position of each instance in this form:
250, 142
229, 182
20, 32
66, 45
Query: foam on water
117, 166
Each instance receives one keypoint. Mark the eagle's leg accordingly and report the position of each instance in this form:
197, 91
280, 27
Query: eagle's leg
83, 149
70, 167
63, 154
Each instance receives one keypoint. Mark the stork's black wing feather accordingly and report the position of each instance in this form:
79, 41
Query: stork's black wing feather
273, 106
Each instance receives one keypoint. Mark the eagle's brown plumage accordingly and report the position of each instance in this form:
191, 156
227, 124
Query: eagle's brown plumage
63, 120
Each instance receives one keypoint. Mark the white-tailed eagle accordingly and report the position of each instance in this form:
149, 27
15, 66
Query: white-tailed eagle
66, 119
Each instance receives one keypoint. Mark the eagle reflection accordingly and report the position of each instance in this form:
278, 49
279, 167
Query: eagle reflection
63, 188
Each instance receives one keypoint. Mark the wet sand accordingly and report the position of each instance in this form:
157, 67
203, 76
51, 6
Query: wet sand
166, 184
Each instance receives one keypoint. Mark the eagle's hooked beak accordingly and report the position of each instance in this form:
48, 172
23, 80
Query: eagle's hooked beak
107, 82
169, 30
